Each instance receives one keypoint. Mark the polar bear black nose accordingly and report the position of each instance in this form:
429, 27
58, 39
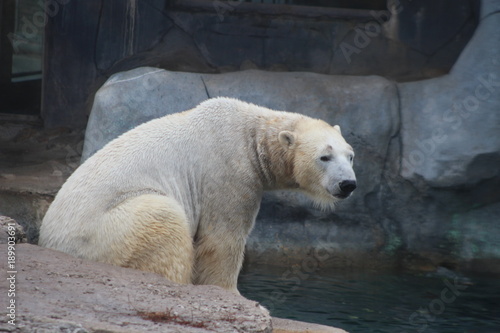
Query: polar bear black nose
347, 186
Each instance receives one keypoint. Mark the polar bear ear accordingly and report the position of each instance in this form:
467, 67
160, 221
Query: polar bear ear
286, 138
337, 127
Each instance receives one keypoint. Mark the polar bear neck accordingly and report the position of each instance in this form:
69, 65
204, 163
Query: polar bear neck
275, 163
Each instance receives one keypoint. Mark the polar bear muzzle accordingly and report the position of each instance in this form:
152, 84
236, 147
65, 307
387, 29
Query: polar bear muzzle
346, 188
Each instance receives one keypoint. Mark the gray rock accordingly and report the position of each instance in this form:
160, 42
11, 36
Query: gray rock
476, 232
420, 39
11, 231
57, 292
451, 125
131, 98
450, 153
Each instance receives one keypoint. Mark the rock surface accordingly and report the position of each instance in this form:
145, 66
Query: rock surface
55, 291
11, 231
125, 101
34, 163
403, 40
293, 326
450, 153
427, 152
451, 124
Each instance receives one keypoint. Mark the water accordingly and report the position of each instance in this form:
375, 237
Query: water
371, 302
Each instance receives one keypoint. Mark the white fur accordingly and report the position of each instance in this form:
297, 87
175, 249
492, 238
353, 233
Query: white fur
179, 195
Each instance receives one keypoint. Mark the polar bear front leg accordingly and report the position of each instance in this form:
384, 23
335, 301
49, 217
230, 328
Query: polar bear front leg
218, 259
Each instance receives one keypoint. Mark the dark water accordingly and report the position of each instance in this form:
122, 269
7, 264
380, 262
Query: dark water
371, 302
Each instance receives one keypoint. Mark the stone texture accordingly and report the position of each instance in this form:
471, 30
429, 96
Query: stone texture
125, 101
34, 163
476, 232
450, 124
10, 228
292, 326
418, 39
55, 291
451, 149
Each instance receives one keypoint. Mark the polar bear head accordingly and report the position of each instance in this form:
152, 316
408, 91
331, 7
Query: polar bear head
322, 161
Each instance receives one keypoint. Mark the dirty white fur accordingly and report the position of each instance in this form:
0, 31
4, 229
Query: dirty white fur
179, 195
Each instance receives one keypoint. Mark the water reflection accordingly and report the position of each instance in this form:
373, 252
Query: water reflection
371, 302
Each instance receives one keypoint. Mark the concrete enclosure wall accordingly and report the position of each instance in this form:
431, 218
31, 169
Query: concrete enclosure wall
88, 41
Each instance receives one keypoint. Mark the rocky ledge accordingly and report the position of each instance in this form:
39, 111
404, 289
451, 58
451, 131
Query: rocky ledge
51, 291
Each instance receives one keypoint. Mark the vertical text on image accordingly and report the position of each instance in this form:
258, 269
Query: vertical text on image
11, 273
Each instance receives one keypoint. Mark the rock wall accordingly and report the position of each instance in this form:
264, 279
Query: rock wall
450, 153
86, 42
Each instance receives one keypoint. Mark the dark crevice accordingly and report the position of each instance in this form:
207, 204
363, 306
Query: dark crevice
398, 133
96, 37
198, 47
488, 15
469, 20
173, 16
205, 85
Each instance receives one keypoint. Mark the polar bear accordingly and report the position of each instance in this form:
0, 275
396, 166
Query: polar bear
179, 195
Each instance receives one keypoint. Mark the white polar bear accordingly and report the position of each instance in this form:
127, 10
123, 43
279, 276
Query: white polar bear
179, 195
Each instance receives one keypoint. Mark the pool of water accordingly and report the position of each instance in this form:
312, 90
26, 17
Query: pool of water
378, 302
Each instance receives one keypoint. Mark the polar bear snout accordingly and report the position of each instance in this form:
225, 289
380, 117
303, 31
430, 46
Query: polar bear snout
347, 186
343, 189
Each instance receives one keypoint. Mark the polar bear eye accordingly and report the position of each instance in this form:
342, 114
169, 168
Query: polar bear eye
326, 158
351, 158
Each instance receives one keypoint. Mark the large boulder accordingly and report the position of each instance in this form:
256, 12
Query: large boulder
450, 153
366, 108
451, 124
131, 98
